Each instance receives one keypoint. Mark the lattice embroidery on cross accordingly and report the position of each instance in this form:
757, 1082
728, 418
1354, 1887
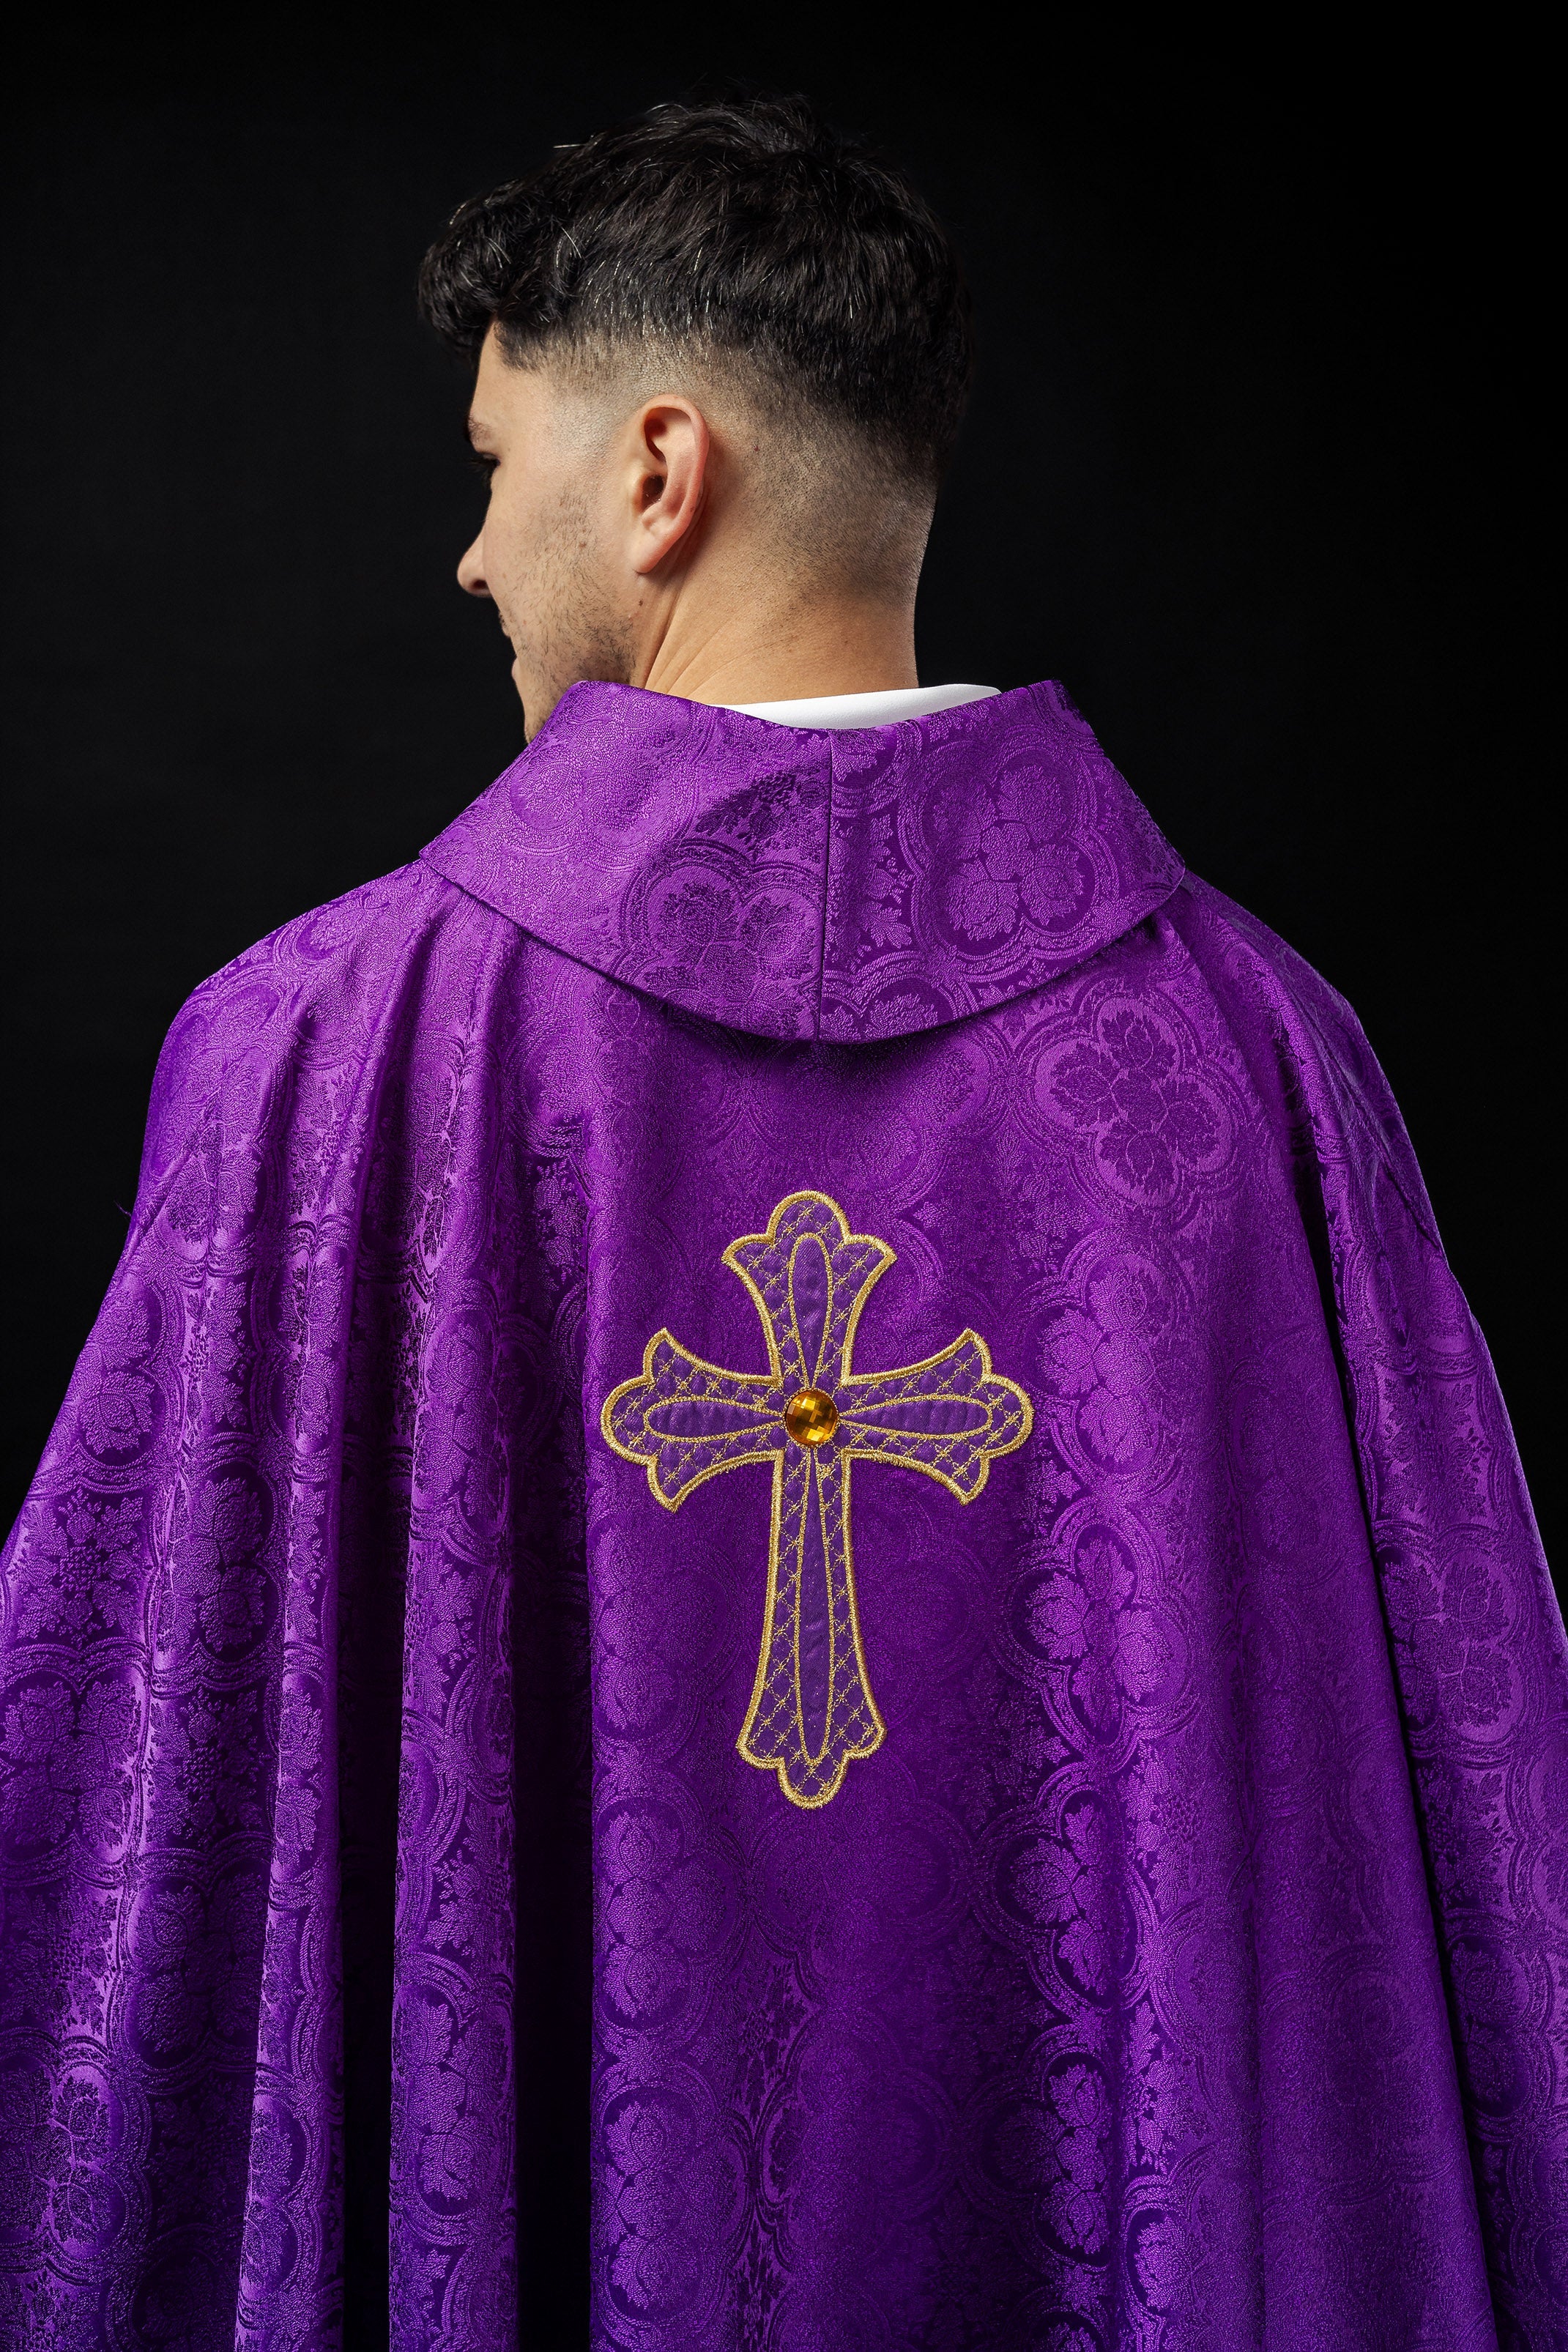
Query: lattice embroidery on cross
812, 1418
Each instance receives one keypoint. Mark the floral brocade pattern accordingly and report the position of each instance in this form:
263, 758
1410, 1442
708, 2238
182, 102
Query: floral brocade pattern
397, 1949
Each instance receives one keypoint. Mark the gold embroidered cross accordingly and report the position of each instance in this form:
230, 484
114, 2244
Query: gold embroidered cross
810, 1417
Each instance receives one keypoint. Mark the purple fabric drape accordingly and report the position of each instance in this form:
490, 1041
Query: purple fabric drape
784, 1605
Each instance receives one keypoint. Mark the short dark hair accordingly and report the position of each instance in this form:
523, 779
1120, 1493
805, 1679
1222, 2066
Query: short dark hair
745, 225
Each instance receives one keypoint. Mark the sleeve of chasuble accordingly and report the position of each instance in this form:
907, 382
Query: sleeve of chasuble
154, 1690
1475, 1631
132, 1848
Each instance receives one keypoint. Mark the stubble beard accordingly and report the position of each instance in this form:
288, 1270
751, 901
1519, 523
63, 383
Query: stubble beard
567, 628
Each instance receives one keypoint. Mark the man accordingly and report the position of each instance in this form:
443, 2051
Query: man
785, 1602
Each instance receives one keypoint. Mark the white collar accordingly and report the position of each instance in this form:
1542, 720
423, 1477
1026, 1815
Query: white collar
882, 710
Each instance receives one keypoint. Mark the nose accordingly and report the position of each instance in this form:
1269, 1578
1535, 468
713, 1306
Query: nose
471, 570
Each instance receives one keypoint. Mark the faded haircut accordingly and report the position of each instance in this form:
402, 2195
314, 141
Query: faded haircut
746, 233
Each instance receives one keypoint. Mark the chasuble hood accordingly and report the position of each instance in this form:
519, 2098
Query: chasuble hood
784, 1604
840, 885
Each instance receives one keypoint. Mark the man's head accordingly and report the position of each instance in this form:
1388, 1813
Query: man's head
723, 355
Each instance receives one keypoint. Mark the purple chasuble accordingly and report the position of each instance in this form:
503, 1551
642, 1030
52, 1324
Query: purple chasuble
784, 1607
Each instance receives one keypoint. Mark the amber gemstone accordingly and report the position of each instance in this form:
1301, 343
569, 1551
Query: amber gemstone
810, 1416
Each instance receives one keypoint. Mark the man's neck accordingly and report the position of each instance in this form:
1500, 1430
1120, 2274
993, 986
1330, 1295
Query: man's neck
754, 653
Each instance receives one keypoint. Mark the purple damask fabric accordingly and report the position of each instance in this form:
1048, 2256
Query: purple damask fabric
784, 1607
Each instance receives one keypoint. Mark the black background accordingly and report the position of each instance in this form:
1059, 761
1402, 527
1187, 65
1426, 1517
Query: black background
1255, 466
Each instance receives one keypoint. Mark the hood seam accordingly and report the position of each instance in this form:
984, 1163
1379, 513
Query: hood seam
826, 887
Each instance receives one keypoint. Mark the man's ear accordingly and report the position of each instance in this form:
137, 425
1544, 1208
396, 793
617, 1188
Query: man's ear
672, 447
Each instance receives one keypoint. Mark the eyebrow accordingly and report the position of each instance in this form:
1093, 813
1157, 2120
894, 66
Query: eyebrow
473, 426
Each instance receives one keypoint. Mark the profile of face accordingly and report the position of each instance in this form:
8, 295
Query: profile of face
594, 500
